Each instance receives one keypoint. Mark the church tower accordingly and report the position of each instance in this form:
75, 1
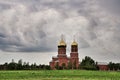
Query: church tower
62, 47
62, 57
74, 55
61, 60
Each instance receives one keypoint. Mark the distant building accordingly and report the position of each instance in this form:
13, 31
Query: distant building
62, 60
102, 66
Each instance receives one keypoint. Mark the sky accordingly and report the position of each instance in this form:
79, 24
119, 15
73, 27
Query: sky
30, 29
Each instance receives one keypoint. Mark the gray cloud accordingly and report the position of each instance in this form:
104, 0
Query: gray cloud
111, 5
36, 25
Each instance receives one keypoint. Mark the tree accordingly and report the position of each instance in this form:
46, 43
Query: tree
88, 63
19, 65
12, 65
34, 66
26, 66
5, 66
111, 66
47, 67
114, 66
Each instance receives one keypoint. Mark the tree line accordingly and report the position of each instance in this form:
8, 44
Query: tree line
87, 64
114, 66
20, 65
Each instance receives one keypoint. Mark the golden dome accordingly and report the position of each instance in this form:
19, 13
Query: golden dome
74, 43
62, 43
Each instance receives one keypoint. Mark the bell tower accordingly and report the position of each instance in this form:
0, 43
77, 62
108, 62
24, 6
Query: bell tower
74, 54
62, 47
62, 57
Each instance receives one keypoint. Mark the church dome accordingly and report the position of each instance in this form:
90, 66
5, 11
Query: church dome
74, 43
62, 43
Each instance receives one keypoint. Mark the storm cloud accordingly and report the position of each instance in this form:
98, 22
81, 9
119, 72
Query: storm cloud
36, 26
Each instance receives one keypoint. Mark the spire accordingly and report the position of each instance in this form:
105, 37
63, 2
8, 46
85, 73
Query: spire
74, 43
62, 37
62, 42
74, 38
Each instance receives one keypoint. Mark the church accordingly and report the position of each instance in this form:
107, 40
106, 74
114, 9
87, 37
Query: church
62, 60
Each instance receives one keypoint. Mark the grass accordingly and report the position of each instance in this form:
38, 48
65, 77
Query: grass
59, 75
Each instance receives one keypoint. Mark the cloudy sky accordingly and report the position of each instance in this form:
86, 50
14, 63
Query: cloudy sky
31, 29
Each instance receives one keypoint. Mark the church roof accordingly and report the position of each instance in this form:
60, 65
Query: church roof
62, 43
74, 43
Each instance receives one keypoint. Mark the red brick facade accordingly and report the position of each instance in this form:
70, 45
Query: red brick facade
103, 66
62, 59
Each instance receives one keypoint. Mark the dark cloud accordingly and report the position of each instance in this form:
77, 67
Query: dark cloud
34, 49
2, 35
4, 6
113, 6
36, 25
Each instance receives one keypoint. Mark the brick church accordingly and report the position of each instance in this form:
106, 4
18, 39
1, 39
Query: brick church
61, 59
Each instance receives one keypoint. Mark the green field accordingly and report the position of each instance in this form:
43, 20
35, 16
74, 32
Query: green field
59, 75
